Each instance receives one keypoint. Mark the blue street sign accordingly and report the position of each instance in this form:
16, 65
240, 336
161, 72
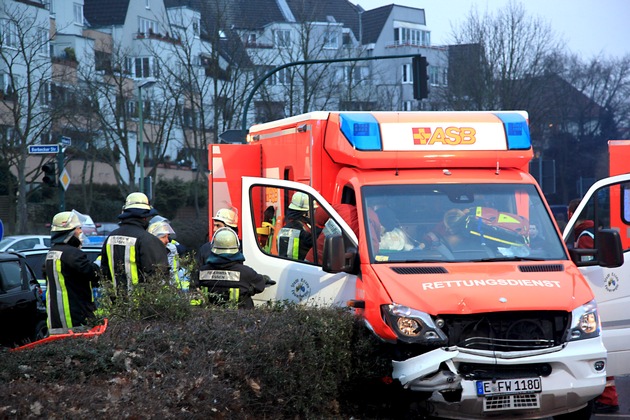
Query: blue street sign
66, 141
43, 149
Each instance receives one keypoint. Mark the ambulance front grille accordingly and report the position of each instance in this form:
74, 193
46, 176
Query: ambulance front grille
506, 331
511, 402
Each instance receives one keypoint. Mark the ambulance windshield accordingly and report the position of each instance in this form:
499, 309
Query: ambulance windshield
459, 223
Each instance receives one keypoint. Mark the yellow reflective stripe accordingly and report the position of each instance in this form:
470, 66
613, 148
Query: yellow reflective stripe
110, 261
61, 292
234, 295
131, 267
296, 248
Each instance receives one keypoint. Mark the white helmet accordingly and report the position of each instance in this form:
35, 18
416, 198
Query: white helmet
299, 201
66, 220
228, 216
225, 241
137, 200
160, 228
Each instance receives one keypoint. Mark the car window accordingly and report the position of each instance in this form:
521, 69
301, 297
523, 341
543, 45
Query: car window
25, 244
36, 262
10, 275
47, 242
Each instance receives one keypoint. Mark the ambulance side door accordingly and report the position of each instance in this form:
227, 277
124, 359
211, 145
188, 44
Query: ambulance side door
265, 212
607, 204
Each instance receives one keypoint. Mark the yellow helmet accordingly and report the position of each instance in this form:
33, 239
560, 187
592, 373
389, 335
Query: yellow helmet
137, 200
227, 216
160, 228
66, 220
299, 201
225, 241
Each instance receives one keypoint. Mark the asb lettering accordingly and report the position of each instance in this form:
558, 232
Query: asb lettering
452, 136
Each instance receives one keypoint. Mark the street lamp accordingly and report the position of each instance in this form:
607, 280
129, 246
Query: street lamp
146, 83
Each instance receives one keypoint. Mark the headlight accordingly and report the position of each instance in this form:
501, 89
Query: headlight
412, 326
584, 322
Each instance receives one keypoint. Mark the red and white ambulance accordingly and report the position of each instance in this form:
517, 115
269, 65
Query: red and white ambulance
437, 256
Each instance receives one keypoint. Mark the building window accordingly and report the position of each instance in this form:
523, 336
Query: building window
44, 93
409, 36
282, 38
196, 27
147, 4
78, 13
282, 77
7, 89
352, 74
42, 33
190, 118
142, 67
50, 5
407, 74
250, 39
147, 26
407, 106
331, 40
9, 34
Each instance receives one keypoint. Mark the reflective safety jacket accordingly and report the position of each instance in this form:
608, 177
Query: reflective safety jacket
230, 281
130, 254
295, 239
70, 277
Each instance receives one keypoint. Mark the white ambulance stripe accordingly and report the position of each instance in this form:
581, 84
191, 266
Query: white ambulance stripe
399, 136
219, 275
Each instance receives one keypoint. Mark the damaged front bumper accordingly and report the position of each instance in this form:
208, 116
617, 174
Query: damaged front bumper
574, 374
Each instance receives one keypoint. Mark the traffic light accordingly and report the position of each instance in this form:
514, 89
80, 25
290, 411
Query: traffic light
420, 77
50, 174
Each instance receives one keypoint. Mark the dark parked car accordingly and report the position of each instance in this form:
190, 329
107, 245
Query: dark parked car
22, 310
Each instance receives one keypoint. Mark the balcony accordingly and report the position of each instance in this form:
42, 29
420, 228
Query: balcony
158, 36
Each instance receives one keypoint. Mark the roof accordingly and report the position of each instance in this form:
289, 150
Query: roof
99, 13
373, 22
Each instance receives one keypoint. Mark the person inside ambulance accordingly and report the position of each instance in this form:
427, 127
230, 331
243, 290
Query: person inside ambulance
326, 226
224, 278
295, 238
393, 237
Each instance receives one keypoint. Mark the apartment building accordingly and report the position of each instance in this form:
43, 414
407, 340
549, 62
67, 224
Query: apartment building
142, 87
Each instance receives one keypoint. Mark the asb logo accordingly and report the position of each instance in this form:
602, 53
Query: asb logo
451, 136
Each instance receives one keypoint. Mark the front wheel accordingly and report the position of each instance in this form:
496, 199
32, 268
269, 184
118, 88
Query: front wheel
583, 413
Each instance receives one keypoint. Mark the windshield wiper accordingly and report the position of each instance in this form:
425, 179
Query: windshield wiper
514, 258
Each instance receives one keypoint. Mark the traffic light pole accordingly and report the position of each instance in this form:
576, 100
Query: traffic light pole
299, 63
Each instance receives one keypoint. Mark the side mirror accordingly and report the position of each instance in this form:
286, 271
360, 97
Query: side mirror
336, 258
608, 254
609, 248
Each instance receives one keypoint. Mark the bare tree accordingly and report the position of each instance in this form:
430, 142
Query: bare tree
497, 58
25, 71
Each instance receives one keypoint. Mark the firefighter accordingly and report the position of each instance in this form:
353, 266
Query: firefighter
295, 239
225, 278
164, 232
225, 217
70, 275
131, 254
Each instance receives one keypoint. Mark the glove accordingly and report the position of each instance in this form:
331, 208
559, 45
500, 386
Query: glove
268, 281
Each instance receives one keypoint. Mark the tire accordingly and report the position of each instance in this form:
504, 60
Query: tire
41, 330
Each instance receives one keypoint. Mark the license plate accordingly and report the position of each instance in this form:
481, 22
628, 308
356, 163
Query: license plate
509, 386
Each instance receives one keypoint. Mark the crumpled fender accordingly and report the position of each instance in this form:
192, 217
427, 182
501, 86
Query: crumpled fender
422, 365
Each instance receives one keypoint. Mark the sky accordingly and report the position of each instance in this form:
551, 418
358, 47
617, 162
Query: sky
589, 27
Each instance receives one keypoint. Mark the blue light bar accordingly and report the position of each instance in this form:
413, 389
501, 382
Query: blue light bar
516, 130
361, 130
